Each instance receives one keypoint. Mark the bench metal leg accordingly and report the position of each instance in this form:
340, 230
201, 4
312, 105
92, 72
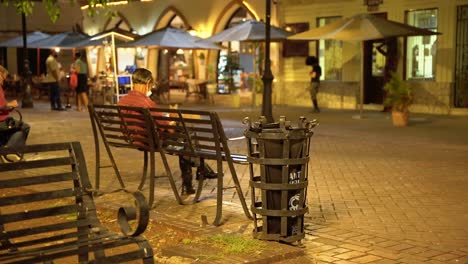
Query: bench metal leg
145, 170
174, 186
239, 190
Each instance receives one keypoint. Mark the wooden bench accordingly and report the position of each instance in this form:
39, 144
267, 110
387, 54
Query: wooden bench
47, 212
196, 134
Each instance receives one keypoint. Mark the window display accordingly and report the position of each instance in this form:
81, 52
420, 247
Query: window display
421, 50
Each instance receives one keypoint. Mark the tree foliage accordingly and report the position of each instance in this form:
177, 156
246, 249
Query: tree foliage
52, 6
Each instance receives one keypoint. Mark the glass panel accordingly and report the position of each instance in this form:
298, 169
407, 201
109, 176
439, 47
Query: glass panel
421, 50
330, 53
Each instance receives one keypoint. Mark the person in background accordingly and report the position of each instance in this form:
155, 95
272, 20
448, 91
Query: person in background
52, 79
81, 69
314, 74
137, 97
17, 138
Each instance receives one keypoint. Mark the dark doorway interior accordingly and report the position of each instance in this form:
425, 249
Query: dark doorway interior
461, 63
380, 59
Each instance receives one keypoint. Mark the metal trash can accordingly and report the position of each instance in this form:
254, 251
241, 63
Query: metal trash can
280, 153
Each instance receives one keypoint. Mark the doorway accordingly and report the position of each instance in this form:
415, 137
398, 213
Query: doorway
380, 59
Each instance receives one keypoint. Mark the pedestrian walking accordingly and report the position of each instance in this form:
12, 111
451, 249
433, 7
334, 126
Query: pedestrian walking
314, 74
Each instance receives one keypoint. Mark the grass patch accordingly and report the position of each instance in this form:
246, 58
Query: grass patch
236, 243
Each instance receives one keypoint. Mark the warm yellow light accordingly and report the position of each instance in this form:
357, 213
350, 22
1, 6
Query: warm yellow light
138, 49
180, 51
251, 10
57, 50
113, 4
192, 32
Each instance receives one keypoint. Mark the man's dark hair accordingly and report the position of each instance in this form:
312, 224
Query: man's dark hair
311, 60
78, 55
141, 76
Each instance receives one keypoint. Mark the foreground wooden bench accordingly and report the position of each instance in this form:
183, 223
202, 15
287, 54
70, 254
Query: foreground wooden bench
196, 134
47, 212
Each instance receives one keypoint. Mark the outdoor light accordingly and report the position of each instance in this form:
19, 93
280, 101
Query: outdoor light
180, 51
57, 50
166, 51
192, 31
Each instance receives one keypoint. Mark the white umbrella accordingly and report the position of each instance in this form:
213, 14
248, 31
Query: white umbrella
251, 31
362, 27
170, 38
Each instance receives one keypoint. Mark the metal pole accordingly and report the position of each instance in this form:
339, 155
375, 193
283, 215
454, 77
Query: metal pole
114, 65
267, 75
27, 98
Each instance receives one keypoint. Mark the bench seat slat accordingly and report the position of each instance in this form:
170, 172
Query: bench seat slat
72, 225
71, 248
18, 182
51, 238
36, 164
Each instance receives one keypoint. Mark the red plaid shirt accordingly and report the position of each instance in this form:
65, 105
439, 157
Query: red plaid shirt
137, 99
3, 104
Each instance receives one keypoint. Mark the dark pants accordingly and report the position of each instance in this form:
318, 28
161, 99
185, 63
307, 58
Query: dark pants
14, 139
185, 166
54, 95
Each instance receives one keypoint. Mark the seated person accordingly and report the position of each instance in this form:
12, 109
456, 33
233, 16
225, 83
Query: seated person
16, 138
137, 97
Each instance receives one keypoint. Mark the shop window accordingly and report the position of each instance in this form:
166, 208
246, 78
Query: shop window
421, 50
330, 53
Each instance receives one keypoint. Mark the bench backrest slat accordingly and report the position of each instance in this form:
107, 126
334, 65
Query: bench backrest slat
50, 178
122, 126
47, 213
37, 196
43, 199
53, 211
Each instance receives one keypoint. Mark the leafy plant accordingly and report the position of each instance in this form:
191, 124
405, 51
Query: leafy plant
211, 69
52, 6
399, 94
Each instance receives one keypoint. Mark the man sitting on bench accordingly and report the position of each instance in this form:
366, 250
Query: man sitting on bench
138, 97
14, 132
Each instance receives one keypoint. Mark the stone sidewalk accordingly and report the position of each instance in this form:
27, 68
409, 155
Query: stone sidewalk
377, 194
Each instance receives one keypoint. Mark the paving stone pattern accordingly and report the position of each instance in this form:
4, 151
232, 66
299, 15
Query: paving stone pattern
377, 194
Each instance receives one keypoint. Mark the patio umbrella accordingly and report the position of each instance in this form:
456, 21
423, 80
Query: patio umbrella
360, 28
30, 37
63, 40
251, 31
170, 38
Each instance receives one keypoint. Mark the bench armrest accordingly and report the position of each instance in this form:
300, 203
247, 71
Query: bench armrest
127, 214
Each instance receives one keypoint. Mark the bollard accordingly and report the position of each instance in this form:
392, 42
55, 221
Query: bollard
280, 153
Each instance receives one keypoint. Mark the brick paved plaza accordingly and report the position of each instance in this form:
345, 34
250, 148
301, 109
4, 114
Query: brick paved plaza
377, 194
